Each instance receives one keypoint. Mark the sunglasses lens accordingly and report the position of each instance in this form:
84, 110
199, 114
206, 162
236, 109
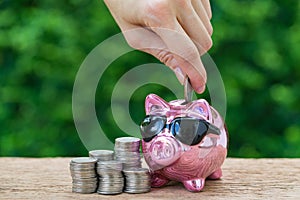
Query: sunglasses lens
151, 126
188, 130
185, 130
200, 132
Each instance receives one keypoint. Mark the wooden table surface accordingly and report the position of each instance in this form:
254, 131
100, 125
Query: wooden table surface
49, 178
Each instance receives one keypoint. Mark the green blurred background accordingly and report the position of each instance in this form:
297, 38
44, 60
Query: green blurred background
42, 44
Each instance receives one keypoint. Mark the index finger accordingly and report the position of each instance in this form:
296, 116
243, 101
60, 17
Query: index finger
185, 53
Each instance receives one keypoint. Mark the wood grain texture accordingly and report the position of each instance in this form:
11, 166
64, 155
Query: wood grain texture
49, 178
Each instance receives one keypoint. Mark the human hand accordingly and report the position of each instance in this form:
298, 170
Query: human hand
177, 32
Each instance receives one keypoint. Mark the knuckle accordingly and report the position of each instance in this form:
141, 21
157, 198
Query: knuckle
210, 30
165, 57
183, 4
191, 54
205, 45
209, 15
157, 12
208, 44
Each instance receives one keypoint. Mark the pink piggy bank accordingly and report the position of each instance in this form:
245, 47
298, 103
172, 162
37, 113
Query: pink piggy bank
184, 142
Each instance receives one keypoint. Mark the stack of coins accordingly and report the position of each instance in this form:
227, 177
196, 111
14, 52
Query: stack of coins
102, 155
137, 180
127, 150
83, 175
111, 180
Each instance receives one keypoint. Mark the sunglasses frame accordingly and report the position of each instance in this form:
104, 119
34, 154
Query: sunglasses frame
210, 128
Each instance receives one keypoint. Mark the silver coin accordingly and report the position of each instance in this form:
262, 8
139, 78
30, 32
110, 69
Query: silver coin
129, 159
86, 179
137, 186
137, 191
82, 168
127, 149
83, 160
83, 190
145, 187
109, 171
110, 187
111, 176
83, 172
83, 177
84, 186
137, 180
110, 180
136, 171
76, 168
82, 165
80, 183
127, 140
111, 184
188, 90
102, 155
128, 166
113, 169
128, 145
109, 192
109, 165
128, 154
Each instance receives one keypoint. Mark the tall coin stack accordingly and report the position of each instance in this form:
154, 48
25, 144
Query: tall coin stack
102, 155
127, 150
137, 180
111, 180
83, 175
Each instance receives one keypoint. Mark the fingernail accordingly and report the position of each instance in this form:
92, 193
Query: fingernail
201, 89
179, 75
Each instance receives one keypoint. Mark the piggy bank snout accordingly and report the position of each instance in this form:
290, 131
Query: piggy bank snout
165, 150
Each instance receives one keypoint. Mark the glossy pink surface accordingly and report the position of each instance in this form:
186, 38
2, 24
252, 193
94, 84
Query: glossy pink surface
169, 159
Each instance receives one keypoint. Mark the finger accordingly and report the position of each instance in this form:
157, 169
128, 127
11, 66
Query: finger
195, 29
206, 5
203, 14
185, 53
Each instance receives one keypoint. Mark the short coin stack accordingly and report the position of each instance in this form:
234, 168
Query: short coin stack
83, 175
102, 155
111, 180
127, 150
137, 180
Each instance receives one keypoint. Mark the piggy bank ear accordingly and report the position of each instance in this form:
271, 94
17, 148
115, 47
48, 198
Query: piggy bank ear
154, 102
200, 107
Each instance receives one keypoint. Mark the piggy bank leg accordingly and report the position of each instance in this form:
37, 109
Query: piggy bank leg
216, 175
158, 180
194, 185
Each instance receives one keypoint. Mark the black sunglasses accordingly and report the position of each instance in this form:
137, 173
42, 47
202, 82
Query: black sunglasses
187, 130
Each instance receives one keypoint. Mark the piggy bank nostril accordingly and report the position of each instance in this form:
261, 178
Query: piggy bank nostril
162, 150
168, 152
